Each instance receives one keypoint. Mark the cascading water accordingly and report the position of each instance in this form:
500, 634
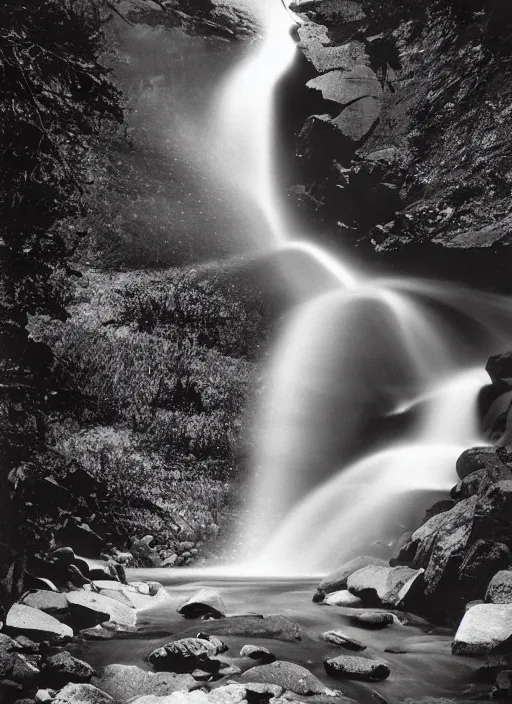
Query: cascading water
371, 392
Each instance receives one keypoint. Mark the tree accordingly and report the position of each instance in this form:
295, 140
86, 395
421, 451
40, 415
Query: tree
56, 95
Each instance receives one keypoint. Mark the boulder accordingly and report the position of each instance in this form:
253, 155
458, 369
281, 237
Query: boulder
88, 609
48, 601
84, 540
493, 513
478, 482
483, 628
185, 655
25, 670
337, 637
499, 590
63, 668
207, 602
499, 368
357, 668
373, 620
35, 624
123, 682
82, 694
273, 627
358, 119
257, 652
345, 87
337, 580
482, 560
287, 675
342, 598
385, 586
475, 459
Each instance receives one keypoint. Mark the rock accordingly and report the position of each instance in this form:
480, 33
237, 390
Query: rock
287, 675
274, 626
257, 652
45, 696
354, 667
143, 554
493, 513
337, 580
82, 694
207, 602
483, 628
170, 561
202, 675
343, 640
503, 688
478, 482
358, 119
89, 609
25, 670
482, 560
499, 368
7, 659
185, 655
475, 459
230, 671
316, 46
48, 601
123, 682
342, 598
385, 586
35, 624
64, 668
345, 87
373, 620
499, 590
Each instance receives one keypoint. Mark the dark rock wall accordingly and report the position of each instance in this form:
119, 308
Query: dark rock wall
412, 152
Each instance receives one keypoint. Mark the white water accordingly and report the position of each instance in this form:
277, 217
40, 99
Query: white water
332, 476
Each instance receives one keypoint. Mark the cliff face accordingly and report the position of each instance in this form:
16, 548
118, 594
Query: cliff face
413, 151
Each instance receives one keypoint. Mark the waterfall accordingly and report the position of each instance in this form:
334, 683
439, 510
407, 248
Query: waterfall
371, 391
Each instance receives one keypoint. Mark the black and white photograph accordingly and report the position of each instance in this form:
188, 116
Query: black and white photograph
255, 351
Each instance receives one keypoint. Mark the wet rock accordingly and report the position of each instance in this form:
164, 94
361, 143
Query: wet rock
274, 626
342, 598
483, 628
257, 652
337, 637
82, 694
358, 119
287, 675
25, 670
123, 682
345, 87
35, 624
478, 482
337, 580
481, 561
185, 655
373, 620
207, 602
385, 586
499, 368
493, 513
88, 609
63, 668
353, 667
499, 590
475, 459
7, 658
48, 601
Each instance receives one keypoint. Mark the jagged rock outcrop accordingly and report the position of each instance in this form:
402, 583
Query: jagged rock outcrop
440, 104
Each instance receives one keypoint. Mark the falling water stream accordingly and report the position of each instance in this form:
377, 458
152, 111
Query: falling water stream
370, 395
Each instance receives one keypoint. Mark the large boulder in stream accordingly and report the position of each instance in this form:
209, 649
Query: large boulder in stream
50, 602
88, 609
287, 675
356, 668
187, 655
476, 459
483, 628
342, 598
274, 626
206, 602
35, 624
341, 639
123, 682
337, 580
393, 587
